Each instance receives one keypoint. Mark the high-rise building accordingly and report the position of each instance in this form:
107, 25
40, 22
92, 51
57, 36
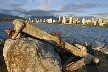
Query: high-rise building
83, 21
44, 20
60, 19
99, 21
50, 20
35, 20
64, 20
88, 21
75, 20
70, 20
40, 20
54, 21
29, 19
92, 19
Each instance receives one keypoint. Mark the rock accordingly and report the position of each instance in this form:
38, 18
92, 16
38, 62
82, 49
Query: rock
78, 64
97, 48
30, 55
1, 46
21, 26
100, 47
90, 58
1, 42
87, 44
104, 50
81, 47
72, 66
97, 44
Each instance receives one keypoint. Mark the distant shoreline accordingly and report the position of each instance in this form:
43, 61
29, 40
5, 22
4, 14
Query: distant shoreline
75, 25
67, 24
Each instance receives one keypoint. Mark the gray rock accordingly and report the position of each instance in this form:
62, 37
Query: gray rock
1, 42
30, 55
100, 47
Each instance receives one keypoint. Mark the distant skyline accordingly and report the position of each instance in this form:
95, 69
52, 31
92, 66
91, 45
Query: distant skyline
79, 8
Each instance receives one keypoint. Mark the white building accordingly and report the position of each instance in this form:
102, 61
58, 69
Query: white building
88, 21
83, 21
75, 20
92, 20
40, 20
54, 21
44, 20
50, 20
64, 20
29, 19
60, 19
99, 21
70, 20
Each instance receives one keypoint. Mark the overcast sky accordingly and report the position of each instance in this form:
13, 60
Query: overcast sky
26, 8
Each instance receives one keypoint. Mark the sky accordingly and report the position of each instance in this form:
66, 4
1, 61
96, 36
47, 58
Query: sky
80, 8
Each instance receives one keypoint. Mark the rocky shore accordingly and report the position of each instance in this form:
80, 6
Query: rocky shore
100, 67
40, 51
30, 55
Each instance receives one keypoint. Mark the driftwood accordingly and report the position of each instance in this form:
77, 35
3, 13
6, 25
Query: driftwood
71, 66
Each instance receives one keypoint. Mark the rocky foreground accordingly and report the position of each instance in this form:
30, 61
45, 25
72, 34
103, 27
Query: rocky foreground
30, 55
27, 54
40, 51
34, 55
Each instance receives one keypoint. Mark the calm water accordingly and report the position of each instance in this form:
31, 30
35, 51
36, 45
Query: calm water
80, 34
4, 26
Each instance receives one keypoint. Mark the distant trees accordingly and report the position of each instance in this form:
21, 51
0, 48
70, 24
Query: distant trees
6, 20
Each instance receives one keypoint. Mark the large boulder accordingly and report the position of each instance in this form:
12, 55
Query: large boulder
30, 55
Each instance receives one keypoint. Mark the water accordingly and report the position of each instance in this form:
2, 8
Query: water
79, 34
4, 26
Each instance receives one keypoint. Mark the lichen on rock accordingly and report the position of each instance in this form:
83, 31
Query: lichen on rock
30, 55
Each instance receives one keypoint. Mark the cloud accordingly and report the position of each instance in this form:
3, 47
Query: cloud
44, 4
43, 9
82, 7
13, 8
25, 13
17, 6
101, 15
21, 10
86, 17
29, 1
6, 11
37, 12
